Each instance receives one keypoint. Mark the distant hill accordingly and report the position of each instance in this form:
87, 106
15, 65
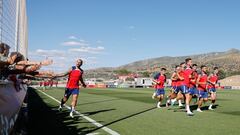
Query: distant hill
231, 81
229, 61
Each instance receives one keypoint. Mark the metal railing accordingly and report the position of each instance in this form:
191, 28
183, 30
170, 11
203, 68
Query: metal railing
13, 25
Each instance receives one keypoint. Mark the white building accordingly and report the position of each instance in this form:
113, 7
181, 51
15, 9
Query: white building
143, 82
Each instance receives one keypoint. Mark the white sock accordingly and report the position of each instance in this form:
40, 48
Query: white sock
180, 102
188, 108
168, 101
72, 109
174, 100
210, 106
159, 103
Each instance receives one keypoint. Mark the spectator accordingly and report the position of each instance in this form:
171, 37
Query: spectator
17, 64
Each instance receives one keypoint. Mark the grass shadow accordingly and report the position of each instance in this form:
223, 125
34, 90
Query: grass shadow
45, 119
96, 112
121, 119
96, 102
236, 113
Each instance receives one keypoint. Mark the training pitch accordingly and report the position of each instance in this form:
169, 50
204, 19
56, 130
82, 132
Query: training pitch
129, 112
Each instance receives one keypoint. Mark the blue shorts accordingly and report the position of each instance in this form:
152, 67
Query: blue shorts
182, 88
174, 87
203, 94
193, 91
69, 92
212, 90
160, 92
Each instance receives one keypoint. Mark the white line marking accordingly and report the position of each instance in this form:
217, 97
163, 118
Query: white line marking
93, 134
110, 131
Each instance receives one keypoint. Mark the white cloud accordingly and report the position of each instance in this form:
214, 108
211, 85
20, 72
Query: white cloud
88, 49
92, 58
81, 40
63, 59
49, 53
72, 37
75, 43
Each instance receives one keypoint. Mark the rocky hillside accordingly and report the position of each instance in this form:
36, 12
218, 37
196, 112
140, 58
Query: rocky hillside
229, 61
231, 81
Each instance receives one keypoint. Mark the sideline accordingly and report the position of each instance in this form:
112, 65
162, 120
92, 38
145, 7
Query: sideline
110, 131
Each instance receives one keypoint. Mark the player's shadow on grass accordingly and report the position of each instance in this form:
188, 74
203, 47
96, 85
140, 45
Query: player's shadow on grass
235, 113
118, 120
96, 112
44, 119
193, 108
204, 107
96, 102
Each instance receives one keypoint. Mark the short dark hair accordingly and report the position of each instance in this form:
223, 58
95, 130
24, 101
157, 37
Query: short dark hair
3, 47
187, 60
20, 57
182, 63
177, 66
203, 66
215, 68
163, 69
194, 65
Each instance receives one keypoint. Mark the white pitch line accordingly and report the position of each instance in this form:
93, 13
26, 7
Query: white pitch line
110, 131
92, 134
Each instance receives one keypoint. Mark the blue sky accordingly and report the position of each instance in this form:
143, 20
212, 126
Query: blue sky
116, 32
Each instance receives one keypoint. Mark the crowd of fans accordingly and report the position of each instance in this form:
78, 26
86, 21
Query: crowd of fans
15, 66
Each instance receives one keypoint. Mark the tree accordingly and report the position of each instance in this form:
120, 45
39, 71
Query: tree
168, 75
221, 74
122, 72
129, 79
146, 74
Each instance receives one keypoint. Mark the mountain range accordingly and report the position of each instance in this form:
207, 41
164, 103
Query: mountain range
229, 61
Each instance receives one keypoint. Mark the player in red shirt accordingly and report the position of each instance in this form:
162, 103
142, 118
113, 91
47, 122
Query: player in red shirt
175, 94
173, 86
187, 79
181, 82
45, 84
212, 81
160, 92
181, 88
75, 74
202, 87
193, 81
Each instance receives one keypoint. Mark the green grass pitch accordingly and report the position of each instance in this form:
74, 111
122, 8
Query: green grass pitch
131, 112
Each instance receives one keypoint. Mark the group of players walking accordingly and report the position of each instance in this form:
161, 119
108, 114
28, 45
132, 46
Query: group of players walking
187, 82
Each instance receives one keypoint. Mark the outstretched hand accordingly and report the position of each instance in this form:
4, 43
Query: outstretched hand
53, 76
46, 62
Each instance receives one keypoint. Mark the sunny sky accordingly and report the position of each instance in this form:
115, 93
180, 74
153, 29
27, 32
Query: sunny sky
109, 33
